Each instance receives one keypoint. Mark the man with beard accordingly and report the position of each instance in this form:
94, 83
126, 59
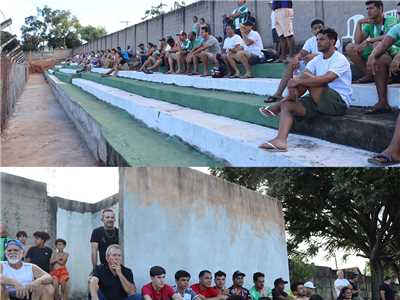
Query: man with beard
328, 79
104, 236
20, 280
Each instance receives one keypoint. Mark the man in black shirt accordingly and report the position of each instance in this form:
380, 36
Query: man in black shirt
104, 236
278, 292
112, 281
386, 290
40, 254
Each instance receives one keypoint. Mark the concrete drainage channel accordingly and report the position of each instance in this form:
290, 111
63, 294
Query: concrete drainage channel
108, 152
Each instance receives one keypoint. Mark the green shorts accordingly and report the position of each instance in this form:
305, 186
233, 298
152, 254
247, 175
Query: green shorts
366, 52
393, 51
331, 103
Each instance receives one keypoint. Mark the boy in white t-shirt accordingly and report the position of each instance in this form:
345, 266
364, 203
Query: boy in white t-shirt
232, 45
328, 80
309, 51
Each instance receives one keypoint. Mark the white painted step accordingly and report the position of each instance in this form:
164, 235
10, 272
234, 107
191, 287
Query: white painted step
364, 95
234, 141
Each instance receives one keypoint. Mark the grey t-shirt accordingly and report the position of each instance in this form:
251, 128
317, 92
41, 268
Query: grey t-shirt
213, 44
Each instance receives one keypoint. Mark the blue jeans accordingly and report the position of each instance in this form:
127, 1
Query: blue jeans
132, 297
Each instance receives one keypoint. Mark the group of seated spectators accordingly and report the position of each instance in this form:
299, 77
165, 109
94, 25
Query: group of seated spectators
318, 79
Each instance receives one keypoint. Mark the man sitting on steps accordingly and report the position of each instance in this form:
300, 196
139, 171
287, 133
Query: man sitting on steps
309, 51
369, 32
250, 54
380, 63
207, 52
328, 79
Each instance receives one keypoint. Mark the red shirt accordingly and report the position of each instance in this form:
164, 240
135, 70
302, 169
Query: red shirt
165, 293
207, 292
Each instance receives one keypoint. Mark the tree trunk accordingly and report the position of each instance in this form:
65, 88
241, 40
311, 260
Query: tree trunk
377, 275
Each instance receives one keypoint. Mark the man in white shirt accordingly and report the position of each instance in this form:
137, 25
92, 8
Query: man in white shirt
23, 280
328, 80
340, 282
232, 45
307, 53
251, 53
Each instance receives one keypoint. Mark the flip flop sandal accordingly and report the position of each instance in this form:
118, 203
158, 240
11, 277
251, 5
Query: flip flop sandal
266, 112
272, 148
377, 111
273, 99
246, 77
383, 160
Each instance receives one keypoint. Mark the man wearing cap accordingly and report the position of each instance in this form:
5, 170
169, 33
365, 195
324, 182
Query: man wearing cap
157, 289
237, 288
278, 292
258, 290
204, 287
251, 53
175, 54
309, 289
20, 280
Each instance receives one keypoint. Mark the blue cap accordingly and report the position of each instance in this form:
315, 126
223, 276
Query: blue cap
14, 243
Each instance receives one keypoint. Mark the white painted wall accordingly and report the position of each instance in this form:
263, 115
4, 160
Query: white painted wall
194, 221
76, 228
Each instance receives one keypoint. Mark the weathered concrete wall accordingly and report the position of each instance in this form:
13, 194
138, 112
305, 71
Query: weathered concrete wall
335, 13
181, 218
75, 223
25, 205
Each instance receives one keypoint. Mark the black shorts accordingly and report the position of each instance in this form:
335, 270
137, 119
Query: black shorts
275, 36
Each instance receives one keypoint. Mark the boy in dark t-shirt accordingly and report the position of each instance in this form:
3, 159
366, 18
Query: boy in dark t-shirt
40, 254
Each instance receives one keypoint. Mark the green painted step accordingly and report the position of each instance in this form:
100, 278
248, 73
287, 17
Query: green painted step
136, 143
274, 70
66, 77
239, 106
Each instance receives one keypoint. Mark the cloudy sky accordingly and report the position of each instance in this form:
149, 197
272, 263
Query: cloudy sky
89, 12
95, 184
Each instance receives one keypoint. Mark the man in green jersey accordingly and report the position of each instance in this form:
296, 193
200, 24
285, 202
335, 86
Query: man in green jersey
239, 15
369, 32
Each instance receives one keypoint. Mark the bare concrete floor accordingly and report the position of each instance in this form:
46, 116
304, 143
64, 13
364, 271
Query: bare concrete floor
40, 134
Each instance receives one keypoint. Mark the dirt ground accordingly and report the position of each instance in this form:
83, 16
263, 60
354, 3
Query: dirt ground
40, 134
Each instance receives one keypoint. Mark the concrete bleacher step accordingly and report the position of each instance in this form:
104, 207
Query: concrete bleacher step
116, 138
230, 140
370, 133
364, 95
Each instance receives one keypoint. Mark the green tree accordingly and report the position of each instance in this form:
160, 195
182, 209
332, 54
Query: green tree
300, 269
56, 28
357, 210
34, 33
89, 33
154, 11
